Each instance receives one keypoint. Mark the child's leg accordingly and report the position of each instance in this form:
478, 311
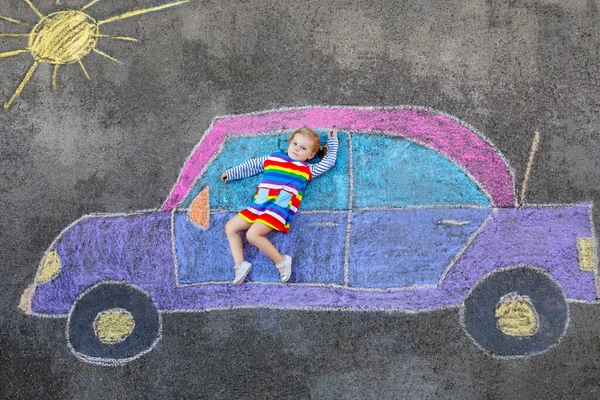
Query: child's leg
232, 227
256, 236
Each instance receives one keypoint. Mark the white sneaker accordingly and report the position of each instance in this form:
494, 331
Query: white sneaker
241, 271
286, 264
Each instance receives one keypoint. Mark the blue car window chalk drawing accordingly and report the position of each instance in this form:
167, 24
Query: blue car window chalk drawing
396, 172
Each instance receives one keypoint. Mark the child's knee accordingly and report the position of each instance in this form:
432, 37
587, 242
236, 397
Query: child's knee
252, 236
231, 228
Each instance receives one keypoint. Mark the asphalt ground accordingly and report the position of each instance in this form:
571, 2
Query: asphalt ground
116, 143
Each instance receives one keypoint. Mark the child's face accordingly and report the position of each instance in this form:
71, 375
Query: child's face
301, 148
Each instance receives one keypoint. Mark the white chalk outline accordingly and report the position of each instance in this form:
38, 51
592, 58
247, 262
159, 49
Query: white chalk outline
176, 281
597, 249
521, 356
324, 224
425, 206
330, 308
349, 214
313, 308
466, 245
323, 285
111, 362
452, 222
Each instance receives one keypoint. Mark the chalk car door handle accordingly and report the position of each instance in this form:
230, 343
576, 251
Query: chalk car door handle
452, 222
324, 224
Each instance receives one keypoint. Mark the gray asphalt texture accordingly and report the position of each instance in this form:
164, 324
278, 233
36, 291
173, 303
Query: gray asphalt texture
116, 143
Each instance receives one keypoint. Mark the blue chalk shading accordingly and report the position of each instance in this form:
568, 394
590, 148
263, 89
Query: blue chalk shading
329, 191
395, 172
315, 242
409, 247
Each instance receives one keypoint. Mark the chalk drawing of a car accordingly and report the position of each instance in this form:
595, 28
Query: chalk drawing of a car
419, 213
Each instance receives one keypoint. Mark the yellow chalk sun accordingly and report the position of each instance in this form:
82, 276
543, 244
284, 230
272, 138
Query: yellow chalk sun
65, 37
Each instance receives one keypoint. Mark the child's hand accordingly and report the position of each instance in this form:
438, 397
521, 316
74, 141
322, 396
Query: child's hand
224, 177
332, 133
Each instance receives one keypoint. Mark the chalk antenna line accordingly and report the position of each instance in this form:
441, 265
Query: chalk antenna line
139, 12
534, 148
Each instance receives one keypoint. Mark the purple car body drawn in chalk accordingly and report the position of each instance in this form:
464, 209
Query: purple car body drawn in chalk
417, 214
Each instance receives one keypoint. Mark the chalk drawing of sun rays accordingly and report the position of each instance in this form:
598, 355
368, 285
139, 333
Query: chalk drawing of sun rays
65, 37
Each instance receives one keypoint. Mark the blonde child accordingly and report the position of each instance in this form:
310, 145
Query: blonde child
278, 196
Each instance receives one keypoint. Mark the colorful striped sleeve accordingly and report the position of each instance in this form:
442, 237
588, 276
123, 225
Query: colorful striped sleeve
253, 166
328, 161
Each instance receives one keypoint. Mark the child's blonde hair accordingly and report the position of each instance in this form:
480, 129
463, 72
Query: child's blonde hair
310, 134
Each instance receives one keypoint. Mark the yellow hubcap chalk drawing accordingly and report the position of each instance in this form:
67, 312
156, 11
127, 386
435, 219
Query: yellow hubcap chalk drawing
113, 326
516, 316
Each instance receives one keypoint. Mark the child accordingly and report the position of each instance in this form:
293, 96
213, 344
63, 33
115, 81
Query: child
277, 198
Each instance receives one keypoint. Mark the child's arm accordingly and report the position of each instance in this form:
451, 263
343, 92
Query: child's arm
253, 166
329, 160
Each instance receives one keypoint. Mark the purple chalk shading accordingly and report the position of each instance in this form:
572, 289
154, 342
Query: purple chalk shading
544, 237
135, 249
433, 129
138, 250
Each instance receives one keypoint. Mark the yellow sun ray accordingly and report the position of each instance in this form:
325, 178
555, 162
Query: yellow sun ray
118, 37
14, 34
39, 14
89, 4
138, 12
14, 21
83, 69
13, 53
21, 86
54, 75
105, 55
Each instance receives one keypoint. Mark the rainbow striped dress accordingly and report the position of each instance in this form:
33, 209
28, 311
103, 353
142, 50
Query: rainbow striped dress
280, 192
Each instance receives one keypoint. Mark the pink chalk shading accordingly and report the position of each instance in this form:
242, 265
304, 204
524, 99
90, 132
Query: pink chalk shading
428, 127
